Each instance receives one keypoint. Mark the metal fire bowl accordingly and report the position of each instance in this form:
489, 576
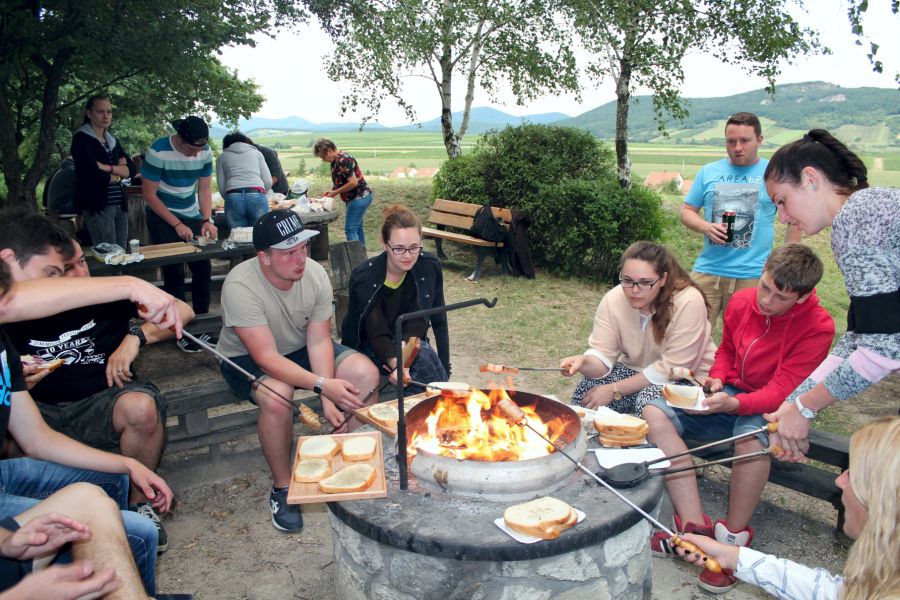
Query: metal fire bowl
507, 480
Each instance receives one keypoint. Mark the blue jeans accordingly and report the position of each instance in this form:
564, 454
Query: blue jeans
353, 221
242, 209
716, 426
25, 481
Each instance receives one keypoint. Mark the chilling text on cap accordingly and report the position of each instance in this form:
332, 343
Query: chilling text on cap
289, 225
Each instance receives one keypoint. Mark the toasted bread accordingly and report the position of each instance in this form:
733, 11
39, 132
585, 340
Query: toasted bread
312, 470
453, 389
621, 442
678, 373
543, 517
355, 478
410, 351
682, 396
309, 416
620, 425
358, 448
40, 363
384, 414
319, 447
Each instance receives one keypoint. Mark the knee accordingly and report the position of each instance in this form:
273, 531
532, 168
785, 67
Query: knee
138, 411
90, 500
656, 419
747, 446
358, 368
272, 406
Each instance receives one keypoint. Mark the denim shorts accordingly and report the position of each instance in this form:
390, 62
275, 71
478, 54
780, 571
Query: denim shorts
242, 387
716, 426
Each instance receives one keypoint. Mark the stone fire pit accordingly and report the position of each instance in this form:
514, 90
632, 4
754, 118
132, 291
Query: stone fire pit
425, 544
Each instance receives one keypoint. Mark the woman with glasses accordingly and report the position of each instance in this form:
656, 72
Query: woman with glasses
817, 182
870, 493
653, 321
400, 280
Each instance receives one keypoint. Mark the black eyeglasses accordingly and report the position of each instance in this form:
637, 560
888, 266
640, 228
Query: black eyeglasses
641, 285
401, 250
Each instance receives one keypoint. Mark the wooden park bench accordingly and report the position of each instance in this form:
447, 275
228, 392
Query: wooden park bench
453, 220
805, 478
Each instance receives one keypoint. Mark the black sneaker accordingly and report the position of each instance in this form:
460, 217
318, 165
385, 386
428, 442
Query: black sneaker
147, 510
284, 516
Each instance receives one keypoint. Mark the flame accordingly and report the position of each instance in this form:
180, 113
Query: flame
473, 428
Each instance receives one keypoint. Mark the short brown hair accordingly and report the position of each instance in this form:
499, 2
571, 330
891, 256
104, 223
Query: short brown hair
397, 216
745, 118
322, 146
795, 268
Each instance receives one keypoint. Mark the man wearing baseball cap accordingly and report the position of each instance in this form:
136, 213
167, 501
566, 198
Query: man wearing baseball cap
177, 187
276, 315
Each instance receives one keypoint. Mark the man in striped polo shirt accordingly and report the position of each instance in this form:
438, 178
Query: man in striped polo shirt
177, 173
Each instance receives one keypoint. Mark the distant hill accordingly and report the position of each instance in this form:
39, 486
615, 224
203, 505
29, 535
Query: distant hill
480, 120
863, 117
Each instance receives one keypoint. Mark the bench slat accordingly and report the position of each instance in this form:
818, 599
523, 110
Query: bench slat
468, 209
458, 237
450, 220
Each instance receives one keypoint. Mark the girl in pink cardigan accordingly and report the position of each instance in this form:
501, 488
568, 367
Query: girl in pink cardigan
653, 321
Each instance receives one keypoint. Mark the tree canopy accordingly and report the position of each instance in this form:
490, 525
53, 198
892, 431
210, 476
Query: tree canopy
643, 43
156, 59
483, 43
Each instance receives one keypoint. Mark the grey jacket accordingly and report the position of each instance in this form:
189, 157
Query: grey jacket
242, 166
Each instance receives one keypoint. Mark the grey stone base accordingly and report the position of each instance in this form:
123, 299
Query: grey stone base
619, 568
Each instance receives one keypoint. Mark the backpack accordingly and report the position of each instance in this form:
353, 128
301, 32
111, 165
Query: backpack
486, 226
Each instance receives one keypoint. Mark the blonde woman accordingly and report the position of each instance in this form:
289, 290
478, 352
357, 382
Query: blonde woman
871, 497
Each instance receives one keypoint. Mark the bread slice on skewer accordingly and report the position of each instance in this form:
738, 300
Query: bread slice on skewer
355, 478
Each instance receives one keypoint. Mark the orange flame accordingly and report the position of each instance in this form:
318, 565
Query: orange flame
473, 428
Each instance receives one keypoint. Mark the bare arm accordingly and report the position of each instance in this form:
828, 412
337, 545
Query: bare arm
693, 220
793, 235
204, 195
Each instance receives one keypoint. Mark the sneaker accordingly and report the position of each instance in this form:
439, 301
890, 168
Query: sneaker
191, 347
660, 542
719, 583
147, 510
284, 516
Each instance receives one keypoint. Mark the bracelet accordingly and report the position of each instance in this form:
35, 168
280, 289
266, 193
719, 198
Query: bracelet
807, 413
205, 221
175, 226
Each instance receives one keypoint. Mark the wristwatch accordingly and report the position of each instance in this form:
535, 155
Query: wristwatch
318, 387
137, 332
617, 395
805, 412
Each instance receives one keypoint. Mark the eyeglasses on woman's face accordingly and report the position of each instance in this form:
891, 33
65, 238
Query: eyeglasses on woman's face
641, 284
401, 250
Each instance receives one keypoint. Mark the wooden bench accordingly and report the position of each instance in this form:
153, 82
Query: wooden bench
460, 216
342, 257
807, 479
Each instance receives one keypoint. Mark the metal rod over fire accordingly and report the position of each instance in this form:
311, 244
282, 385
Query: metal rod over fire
516, 415
398, 350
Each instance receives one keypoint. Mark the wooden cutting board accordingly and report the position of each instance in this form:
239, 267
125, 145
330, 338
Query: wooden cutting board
408, 402
306, 493
172, 249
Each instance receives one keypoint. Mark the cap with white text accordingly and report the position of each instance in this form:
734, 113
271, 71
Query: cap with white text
280, 229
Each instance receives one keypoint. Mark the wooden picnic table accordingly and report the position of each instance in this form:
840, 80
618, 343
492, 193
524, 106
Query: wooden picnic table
190, 253
319, 221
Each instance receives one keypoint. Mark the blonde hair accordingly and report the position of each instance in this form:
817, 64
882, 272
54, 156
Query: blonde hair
872, 571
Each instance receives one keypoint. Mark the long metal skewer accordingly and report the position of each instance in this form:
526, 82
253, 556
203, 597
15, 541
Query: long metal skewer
767, 428
515, 414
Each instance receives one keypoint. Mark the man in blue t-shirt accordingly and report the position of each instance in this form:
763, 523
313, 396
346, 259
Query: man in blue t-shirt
733, 184
177, 174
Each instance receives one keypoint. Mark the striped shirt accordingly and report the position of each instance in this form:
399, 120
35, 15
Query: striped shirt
177, 176
786, 579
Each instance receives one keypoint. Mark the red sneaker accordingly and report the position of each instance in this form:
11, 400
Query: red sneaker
660, 542
717, 583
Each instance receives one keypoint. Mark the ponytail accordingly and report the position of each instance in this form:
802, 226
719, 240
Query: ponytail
824, 152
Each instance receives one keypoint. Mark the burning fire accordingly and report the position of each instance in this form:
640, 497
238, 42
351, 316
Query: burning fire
473, 428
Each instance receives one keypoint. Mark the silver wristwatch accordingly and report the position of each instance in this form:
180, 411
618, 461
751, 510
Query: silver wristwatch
805, 412
318, 387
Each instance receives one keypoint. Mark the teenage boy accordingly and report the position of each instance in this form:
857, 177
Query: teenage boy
774, 336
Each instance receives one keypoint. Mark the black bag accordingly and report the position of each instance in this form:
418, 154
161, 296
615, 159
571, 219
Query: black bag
488, 227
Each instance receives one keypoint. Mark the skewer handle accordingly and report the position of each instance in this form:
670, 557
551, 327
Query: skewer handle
709, 563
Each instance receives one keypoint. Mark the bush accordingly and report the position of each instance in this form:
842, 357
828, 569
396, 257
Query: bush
565, 180
582, 226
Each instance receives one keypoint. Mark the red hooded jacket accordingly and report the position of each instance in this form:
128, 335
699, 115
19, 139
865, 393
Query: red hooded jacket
768, 357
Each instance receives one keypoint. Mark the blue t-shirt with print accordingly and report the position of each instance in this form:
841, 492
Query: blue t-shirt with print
11, 379
721, 186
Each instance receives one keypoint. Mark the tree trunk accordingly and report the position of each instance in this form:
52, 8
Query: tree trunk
623, 98
451, 139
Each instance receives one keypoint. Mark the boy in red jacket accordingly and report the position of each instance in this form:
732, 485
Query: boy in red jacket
774, 336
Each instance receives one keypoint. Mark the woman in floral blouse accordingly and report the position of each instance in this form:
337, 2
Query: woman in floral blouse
349, 182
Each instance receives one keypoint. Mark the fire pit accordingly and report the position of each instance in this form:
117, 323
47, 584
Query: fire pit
438, 539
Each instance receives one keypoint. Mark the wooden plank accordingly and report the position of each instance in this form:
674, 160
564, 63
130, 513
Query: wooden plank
451, 220
458, 237
305, 493
171, 249
468, 209
829, 448
342, 257
408, 402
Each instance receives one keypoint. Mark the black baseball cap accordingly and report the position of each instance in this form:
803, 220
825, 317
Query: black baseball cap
193, 131
280, 229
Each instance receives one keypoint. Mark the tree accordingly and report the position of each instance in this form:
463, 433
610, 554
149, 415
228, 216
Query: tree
643, 43
156, 58
856, 10
486, 43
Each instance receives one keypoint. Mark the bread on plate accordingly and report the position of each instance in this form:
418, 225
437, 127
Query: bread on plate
615, 424
355, 478
384, 414
312, 470
319, 447
544, 517
358, 448
682, 396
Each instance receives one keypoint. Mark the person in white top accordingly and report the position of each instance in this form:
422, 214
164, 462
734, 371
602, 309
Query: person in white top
871, 497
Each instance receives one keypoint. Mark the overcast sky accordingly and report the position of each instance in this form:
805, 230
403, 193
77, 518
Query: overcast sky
290, 72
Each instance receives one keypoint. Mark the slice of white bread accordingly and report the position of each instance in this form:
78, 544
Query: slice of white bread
682, 396
355, 478
621, 442
384, 414
543, 517
454, 389
40, 363
319, 447
622, 425
312, 470
358, 448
